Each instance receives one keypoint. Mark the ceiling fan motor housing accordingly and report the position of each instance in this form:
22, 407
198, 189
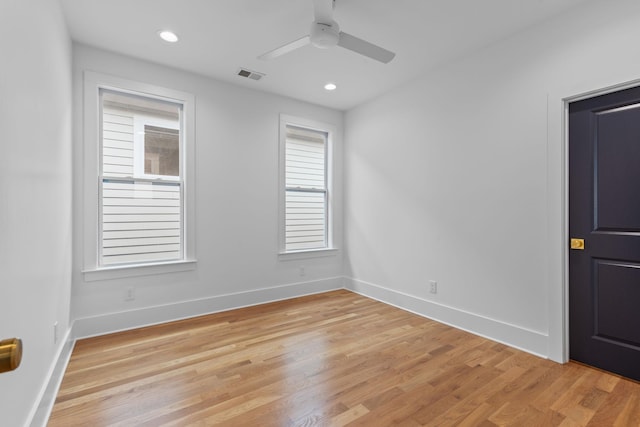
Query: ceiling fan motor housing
324, 35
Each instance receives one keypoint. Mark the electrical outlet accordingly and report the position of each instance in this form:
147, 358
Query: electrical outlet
130, 294
433, 286
302, 272
55, 333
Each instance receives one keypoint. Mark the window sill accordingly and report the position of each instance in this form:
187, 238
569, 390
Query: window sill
133, 270
313, 253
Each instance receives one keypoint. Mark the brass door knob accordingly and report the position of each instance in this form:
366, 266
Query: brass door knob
10, 354
577, 244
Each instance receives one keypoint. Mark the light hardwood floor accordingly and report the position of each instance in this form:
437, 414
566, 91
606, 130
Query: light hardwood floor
331, 359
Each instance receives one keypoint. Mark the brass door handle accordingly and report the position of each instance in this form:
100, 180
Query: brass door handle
10, 354
577, 244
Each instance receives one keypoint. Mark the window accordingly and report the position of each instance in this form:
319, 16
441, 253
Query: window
141, 187
156, 147
305, 178
141, 200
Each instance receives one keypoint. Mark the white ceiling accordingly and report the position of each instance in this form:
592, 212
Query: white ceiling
217, 37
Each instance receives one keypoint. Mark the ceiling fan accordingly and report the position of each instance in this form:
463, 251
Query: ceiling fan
325, 33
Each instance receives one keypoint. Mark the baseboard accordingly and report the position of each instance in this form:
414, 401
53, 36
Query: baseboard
514, 336
47, 397
114, 322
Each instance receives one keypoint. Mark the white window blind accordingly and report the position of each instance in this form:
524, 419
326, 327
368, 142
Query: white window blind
306, 195
140, 207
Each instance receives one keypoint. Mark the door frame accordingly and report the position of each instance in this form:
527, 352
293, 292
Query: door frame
558, 203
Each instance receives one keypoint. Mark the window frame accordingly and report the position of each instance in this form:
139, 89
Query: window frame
330, 131
92, 145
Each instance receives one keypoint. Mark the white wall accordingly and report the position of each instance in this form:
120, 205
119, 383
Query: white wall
458, 177
236, 206
35, 195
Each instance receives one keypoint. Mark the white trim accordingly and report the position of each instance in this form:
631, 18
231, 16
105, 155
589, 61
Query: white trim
527, 340
556, 231
330, 130
136, 270
41, 410
309, 254
558, 205
124, 320
93, 82
115, 322
524, 339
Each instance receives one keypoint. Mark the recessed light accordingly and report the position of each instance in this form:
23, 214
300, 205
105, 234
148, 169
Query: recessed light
330, 86
168, 36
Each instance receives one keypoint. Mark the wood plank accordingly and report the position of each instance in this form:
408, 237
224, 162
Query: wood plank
330, 359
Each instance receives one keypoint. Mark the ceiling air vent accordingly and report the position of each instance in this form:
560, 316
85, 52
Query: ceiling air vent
253, 75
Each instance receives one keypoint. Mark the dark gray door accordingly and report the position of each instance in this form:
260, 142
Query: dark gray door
604, 210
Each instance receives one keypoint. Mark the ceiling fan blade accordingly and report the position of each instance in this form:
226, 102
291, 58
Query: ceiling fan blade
323, 11
365, 48
285, 49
